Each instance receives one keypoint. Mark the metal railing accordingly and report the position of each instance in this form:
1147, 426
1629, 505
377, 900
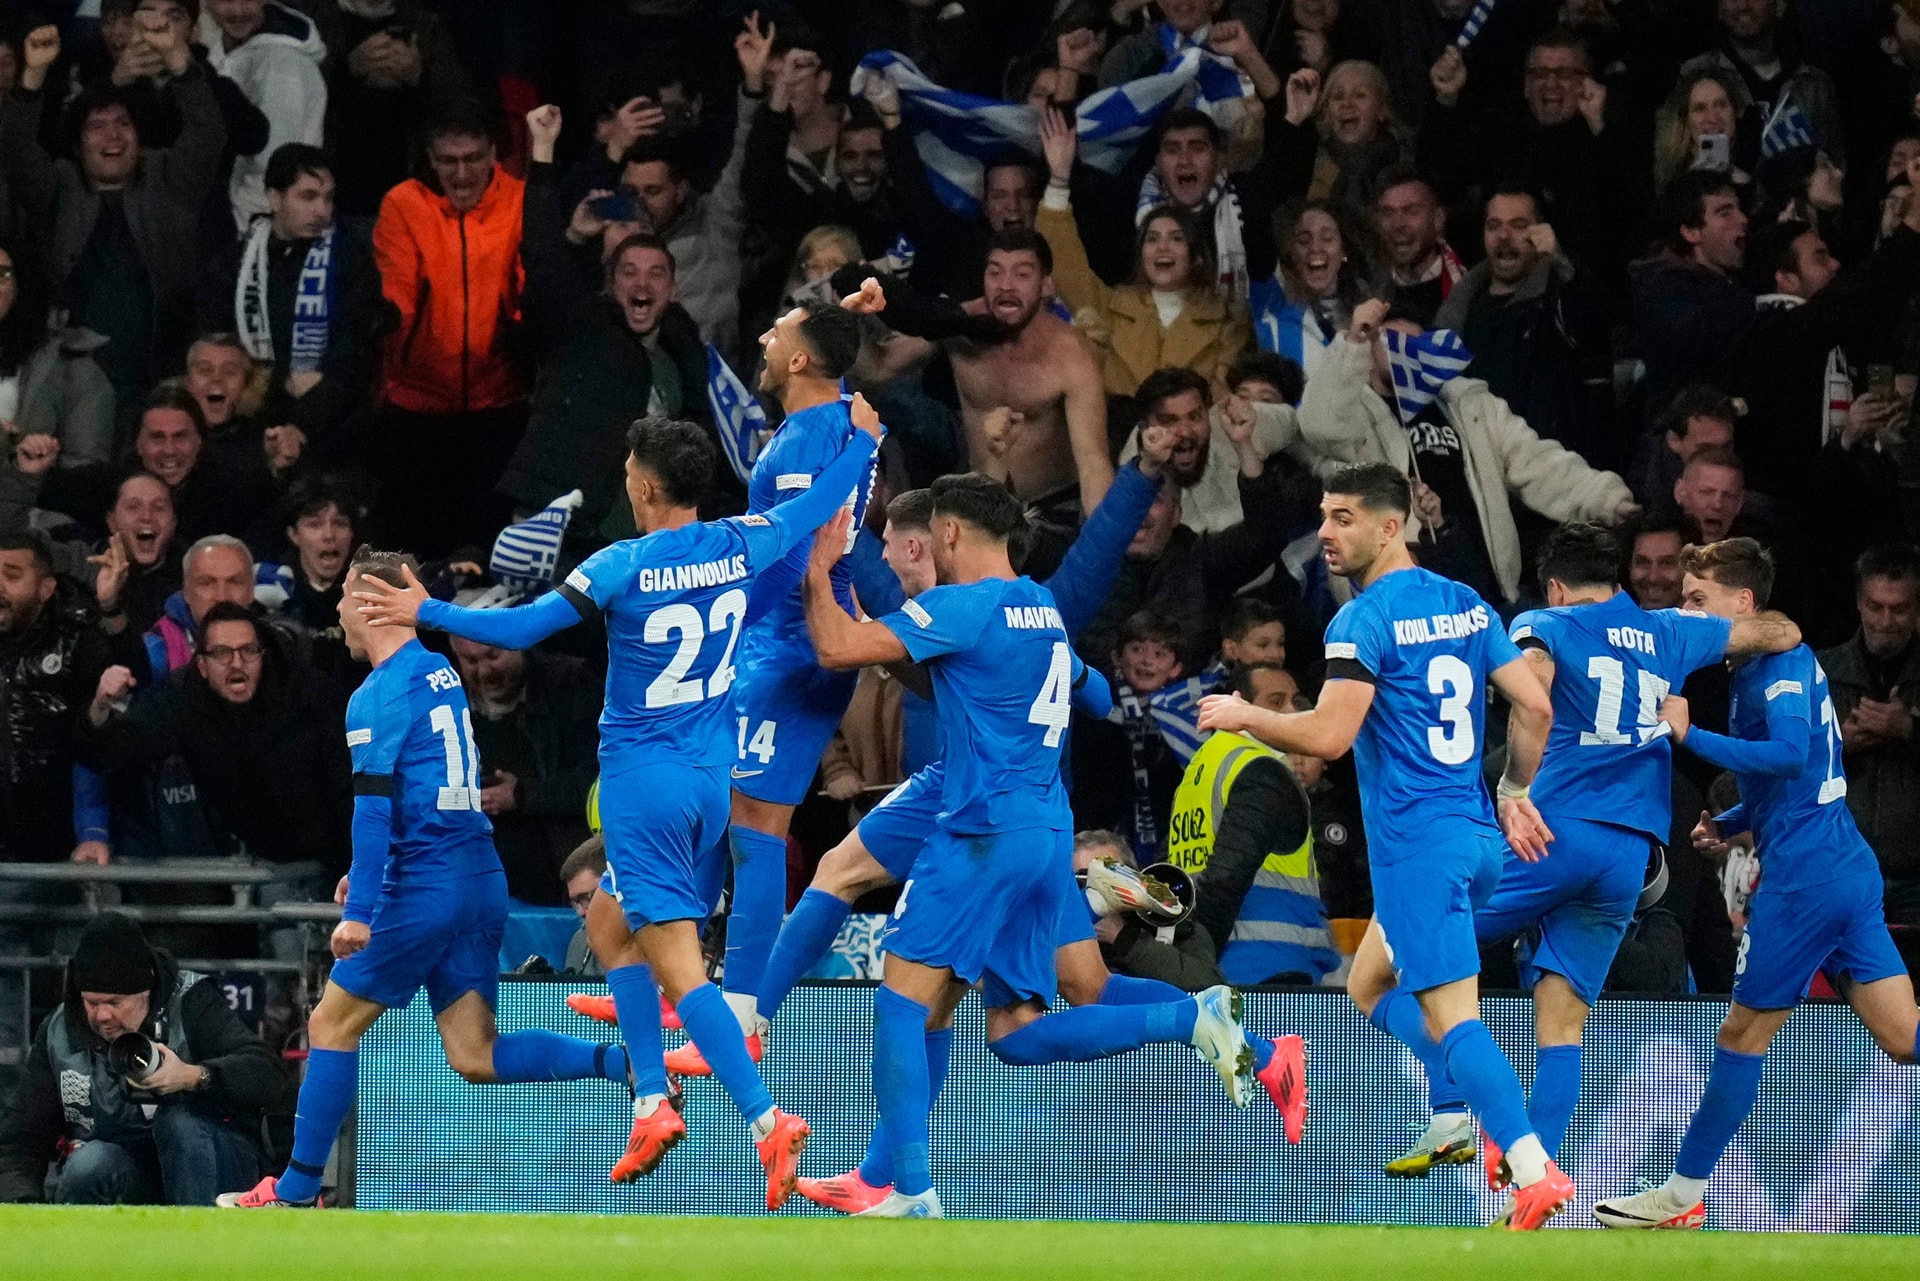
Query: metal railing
97, 883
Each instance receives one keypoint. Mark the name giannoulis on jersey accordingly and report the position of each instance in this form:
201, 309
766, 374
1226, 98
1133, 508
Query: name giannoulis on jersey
1421, 631
679, 578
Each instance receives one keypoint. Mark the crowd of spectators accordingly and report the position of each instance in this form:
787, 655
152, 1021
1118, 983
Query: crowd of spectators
282, 276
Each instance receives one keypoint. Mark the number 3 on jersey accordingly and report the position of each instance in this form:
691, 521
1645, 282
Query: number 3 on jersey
462, 791
1451, 741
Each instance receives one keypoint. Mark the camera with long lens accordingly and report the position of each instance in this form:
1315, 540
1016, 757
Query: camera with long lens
134, 1056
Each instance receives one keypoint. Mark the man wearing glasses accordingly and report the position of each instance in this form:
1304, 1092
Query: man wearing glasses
236, 753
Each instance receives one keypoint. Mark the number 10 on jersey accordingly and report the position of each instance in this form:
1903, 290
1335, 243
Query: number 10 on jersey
462, 791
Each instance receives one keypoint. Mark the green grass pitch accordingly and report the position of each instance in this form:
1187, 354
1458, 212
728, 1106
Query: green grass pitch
50, 1244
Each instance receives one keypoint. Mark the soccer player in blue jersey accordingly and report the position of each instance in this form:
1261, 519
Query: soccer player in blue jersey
1408, 664
1818, 907
992, 883
425, 902
1604, 792
674, 601
785, 706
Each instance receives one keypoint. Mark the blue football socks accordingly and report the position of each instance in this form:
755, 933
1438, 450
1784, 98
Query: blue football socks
759, 901
539, 1055
876, 1168
1487, 1080
712, 1027
1398, 1014
1092, 1032
1122, 989
1556, 1091
326, 1096
800, 945
1733, 1086
903, 1088
637, 1001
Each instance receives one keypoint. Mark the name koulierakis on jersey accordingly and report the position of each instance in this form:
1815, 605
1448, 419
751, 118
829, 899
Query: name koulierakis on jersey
1422, 631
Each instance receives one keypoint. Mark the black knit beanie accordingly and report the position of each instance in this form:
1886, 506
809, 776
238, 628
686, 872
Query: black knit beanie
112, 958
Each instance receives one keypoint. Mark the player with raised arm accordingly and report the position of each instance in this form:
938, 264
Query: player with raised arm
1423, 649
1818, 907
991, 885
1603, 790
425, 902
785, 706
674, 601
881, 850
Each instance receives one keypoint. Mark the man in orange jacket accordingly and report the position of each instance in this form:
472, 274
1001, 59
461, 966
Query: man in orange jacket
453, 396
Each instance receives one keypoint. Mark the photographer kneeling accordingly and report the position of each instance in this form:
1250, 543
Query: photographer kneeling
142, 1088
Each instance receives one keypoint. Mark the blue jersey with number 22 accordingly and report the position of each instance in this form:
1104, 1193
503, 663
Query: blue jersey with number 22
674, 602
1427, 645
1003, 677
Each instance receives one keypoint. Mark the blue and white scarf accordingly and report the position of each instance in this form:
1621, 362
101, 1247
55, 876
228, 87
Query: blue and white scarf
1221, 209
312, 302
1471, 27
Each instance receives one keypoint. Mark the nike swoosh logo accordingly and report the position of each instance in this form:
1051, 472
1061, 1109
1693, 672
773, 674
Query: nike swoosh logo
746, 773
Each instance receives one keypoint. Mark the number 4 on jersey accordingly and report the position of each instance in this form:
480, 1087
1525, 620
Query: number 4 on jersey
1054, 706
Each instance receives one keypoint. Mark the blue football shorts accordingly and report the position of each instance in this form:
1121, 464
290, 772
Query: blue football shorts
443, 936
1582, 895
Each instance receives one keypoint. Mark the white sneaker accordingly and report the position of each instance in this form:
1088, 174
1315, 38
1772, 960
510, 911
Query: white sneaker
1222, 1041
899, 1206
1655, 1208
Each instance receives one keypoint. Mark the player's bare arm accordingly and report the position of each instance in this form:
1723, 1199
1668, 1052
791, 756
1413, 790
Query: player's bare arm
1768, 632
1527, 727
840, 641
1327, 731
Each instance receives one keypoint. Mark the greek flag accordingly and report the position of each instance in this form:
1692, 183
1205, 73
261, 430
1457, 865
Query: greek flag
1471, 27
1421, 364
524, 554
1114, 122
1219, 79
737, 414
957, 135
1786, 128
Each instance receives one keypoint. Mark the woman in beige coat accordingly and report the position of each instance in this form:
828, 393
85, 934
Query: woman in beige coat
1175, 311
1346, 417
